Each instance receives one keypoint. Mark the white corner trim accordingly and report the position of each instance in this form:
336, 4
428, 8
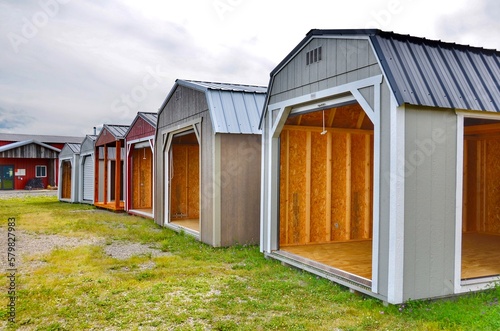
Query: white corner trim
396, 203
458, 203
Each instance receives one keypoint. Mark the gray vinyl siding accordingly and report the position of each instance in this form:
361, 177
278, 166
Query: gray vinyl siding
184, 106
430, 192
240, 184
343, 61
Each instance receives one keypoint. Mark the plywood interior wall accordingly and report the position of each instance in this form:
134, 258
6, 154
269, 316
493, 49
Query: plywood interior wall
66, 180
185, 180
481, 181
142, 178
326, 179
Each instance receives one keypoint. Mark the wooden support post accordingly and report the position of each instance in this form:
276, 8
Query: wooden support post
118, 173
464, 191
287, 183
188, 214
484, 226
96, 174
331, 117
105, 194
360, 119
328, 202
368, 187
308, 187
478, 185
348, 188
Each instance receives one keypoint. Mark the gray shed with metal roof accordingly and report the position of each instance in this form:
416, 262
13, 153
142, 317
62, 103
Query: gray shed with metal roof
69, 168
380, 156
207, 161
86, 173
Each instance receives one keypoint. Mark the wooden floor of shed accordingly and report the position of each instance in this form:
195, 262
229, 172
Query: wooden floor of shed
480, 255
354, 257
193, 224
110, 205
143, 212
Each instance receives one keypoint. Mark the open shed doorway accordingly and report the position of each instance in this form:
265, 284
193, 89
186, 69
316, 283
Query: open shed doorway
326, 190
481, 199
184, 172
142, 179
66, 180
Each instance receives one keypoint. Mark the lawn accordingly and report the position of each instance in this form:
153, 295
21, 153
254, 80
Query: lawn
182, 284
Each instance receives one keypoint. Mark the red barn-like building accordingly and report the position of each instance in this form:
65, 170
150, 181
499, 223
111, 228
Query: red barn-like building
30, 161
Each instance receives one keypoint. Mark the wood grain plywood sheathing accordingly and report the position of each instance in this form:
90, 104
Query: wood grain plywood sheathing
193, 183
178, 190
320, 173
339, 179
297, 186
66, 180
360, 178
492, 180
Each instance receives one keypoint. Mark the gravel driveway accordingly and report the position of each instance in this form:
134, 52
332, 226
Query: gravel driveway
28, 243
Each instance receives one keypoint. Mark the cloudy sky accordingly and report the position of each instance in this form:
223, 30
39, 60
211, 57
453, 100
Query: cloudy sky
69, 65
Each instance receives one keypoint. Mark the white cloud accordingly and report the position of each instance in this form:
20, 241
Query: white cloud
76, 67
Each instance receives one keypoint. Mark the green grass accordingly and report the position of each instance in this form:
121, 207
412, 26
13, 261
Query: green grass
195, 287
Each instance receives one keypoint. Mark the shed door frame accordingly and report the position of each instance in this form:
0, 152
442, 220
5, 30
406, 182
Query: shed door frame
62, 175
168, 136
88, 158
480, 283
328, 98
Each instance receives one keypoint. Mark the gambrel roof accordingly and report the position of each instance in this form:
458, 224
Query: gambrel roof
427, 72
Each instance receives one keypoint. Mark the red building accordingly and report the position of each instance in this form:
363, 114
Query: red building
140, 146
30, 161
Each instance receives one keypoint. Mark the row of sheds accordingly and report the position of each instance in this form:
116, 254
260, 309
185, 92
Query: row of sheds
371, 161
208, 137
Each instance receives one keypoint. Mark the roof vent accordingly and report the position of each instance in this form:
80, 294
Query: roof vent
313, 55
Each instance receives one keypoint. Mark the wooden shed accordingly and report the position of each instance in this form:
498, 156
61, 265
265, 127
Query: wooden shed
111, 143
69, 167
380, 161
207, 154
140, 153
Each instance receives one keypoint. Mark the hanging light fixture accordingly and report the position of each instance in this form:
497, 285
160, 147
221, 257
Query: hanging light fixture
144, 157
324, 130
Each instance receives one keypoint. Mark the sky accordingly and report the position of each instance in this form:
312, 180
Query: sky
67, 66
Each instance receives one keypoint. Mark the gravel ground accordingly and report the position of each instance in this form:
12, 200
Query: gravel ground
7, 194
38, 245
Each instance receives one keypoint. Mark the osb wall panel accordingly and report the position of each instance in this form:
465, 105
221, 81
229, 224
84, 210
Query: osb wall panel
193, 173
184, 188
325, 186
340, 203
142, 184
481, 207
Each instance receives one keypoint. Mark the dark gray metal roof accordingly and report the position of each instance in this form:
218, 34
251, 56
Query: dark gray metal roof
234, 108
428, 72
118, 131
438, 74
27, 142
42, 138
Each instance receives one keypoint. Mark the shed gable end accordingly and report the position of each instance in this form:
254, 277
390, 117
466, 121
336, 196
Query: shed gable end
342, 61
